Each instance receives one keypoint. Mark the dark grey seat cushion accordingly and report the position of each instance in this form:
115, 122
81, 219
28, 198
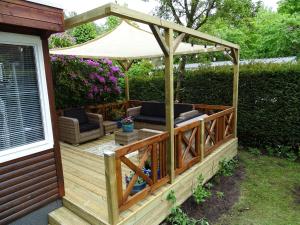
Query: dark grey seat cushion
154, 112
157, 109
84, 127
77, 113
153, 109
151, 119
181, 108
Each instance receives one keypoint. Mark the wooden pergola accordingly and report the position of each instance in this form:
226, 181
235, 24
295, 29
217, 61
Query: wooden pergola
168, 45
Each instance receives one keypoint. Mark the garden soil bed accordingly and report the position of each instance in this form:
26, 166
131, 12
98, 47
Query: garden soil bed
216, 205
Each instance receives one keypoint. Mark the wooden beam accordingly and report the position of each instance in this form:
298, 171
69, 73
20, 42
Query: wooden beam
169, 101
123, 12
125, 64
235, 97
160, 39
89, 16
130, 14
228, 54
177, 41
111, 187
234, 56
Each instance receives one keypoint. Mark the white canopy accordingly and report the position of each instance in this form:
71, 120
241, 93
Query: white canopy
127, 42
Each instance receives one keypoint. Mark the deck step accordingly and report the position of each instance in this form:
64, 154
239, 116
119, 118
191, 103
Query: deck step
64, 216
91, 214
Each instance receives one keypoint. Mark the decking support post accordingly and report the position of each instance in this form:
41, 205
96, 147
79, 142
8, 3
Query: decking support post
169, 100
235, 97
111, 187
202, 139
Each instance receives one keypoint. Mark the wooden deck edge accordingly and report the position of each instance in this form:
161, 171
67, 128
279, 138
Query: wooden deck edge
84, 214
69, 147
156, 208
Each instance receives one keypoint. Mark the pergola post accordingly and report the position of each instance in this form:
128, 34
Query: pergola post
126, 66
169, 100
127, 97
235, 96
111, 187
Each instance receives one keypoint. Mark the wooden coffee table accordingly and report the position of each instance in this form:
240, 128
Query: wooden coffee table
124, 138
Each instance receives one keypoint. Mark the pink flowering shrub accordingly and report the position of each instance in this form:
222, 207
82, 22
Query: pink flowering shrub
80, 81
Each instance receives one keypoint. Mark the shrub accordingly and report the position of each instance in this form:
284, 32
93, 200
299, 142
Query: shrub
78, 82
85, 32
200, 193
220, 194
227, 167
61, 40
269, 99
141, 68
284, 152
178, 217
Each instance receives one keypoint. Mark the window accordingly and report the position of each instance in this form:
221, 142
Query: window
25, 123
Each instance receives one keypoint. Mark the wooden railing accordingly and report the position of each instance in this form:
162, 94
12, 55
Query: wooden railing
152, 149
218, 129
193, 142
187, 146
106, 109
210, 109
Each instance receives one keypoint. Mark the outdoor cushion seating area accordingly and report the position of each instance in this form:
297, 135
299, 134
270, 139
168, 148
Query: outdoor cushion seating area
151, 114
77, 126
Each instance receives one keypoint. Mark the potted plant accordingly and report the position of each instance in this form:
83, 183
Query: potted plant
148, 167
127, 124
140, 184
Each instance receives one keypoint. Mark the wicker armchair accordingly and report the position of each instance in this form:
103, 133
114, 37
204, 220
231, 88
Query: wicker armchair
74, 131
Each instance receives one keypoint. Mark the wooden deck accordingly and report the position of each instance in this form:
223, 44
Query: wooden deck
85, 199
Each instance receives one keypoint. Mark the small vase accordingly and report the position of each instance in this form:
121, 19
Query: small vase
127, 127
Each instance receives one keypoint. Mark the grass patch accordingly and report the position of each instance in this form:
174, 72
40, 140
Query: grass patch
267, 193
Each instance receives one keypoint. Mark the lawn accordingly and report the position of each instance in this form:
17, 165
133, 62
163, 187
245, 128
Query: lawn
268, 195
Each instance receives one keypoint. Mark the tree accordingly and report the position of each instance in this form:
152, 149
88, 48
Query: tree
268, 34
112, 22
289, 6
192, 14
142, 68
277, 34
196, 13
235, 11
85, 32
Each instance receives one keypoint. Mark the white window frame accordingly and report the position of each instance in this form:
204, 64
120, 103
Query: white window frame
47, 143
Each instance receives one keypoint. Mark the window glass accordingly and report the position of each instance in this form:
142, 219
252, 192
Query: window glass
21, 121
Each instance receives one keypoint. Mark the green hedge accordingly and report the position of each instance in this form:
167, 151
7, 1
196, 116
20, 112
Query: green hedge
269, 99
